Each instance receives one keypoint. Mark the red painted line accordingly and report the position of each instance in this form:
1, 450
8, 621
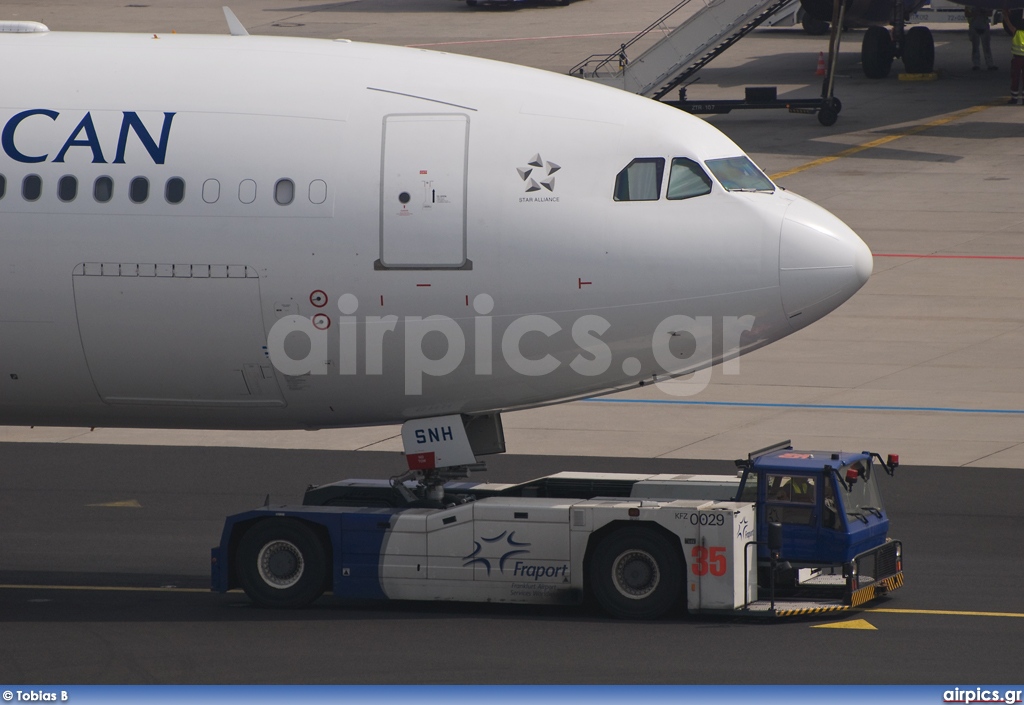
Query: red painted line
521, 39
922, 256
382, 299
580, 283
423, 285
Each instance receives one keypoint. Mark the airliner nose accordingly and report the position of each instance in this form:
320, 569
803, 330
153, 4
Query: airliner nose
822, 262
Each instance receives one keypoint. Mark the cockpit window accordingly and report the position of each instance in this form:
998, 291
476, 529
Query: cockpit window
640, 181
740, 174
686, 179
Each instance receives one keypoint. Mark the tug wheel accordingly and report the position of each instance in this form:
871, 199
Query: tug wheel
636, 574
282, 563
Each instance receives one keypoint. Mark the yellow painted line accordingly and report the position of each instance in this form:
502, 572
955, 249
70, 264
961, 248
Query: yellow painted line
907, 132
131, 503
101, 588
861, 624
957, 613
850, 624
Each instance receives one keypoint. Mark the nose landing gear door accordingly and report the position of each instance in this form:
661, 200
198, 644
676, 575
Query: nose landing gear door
423, 192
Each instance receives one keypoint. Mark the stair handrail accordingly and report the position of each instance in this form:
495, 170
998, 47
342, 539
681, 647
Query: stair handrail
713, 51
605, 59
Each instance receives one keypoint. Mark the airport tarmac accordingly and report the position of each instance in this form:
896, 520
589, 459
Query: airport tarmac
105, 561
925, 360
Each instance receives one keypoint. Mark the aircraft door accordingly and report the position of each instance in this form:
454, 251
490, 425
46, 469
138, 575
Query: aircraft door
423, 191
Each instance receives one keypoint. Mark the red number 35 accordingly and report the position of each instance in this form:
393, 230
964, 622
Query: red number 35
708, 560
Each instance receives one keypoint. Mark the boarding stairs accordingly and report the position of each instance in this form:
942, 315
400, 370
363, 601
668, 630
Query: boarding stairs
706, 29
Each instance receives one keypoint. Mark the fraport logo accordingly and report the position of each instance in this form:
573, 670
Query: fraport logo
506, 540
516, 549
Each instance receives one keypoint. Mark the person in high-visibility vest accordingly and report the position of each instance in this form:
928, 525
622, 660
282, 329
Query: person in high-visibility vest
1017, 62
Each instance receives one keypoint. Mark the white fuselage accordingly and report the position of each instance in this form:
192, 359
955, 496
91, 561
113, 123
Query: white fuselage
366, 235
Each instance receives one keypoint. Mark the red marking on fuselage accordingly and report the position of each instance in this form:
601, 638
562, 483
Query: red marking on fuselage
910, 255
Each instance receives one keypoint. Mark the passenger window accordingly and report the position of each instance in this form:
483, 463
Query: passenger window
318, 191
686, 179
3, 185
247, 191
103, 189
174, 190
284, 192
67, 188
640, 181
211, 190
32, 187
740, 174
138, 189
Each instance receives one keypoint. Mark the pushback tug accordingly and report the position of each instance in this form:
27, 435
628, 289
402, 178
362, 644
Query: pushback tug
795, 532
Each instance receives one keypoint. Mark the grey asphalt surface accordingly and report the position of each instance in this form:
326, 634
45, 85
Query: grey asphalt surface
98, 615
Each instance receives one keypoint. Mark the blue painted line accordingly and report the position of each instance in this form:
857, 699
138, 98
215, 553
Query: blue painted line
842, 407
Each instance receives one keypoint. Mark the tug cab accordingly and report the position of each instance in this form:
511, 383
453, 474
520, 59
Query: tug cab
828, 504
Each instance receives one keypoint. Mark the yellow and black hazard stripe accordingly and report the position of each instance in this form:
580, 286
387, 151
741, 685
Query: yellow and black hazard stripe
862, 596
894, 582
870, 592
817, 609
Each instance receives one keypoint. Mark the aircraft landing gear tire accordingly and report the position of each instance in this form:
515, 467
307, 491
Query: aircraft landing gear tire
636, 574
814, 26
919, 51
282, 563
876, 53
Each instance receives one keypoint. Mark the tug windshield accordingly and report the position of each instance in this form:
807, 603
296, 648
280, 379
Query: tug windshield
860, 498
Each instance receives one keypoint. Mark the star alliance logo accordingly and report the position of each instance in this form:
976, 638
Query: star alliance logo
544, 171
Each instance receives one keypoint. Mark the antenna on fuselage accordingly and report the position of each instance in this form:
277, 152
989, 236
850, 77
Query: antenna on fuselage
236, 28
